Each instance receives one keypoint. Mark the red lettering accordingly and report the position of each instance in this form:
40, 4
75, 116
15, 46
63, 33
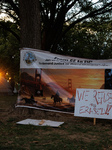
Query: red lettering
81, 95
87, 109
101, 111
95, 110
82, 110
109, 96
90, 111
100, 97
108, 109
94, 96
86, 95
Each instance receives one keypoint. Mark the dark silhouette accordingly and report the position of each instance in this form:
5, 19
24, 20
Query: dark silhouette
29, 100
108, 79
71, 100
56, 98
12, 83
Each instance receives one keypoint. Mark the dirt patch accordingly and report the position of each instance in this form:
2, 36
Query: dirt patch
85, 137
24, 113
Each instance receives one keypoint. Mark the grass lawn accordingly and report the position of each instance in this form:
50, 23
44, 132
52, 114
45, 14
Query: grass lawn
75, 134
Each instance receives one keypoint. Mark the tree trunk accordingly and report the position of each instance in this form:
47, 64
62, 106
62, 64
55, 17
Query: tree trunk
30, 24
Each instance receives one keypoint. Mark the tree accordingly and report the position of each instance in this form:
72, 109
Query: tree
57, 17
56, 14
30, 24
11, 9
89, 40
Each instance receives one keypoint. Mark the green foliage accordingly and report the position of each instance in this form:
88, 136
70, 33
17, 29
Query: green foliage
9, 51
90, 39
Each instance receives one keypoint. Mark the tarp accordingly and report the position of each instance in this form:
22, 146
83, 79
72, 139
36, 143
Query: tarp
49, 81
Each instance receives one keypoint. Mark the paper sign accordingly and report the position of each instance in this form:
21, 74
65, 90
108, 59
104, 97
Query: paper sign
39, 122
94, 103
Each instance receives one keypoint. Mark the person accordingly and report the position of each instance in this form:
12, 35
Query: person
12, 83
57, 94
32, 98
108, 79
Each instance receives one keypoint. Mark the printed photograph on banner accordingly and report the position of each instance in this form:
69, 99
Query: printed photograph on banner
55, 89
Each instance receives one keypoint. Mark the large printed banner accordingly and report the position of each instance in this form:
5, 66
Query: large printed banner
93, 103
49, 81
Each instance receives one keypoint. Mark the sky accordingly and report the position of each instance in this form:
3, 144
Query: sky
4, 16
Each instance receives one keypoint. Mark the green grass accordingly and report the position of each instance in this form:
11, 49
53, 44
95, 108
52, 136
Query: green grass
74, 134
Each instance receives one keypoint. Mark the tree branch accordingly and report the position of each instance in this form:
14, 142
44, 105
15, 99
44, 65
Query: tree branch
91, 14
14, 6
9, 29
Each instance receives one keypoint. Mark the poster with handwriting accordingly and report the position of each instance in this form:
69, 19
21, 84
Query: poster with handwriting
94, 103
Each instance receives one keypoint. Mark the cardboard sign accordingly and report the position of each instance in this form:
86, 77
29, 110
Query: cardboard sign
93, 103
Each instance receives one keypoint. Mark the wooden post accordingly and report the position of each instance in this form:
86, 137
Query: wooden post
94, 121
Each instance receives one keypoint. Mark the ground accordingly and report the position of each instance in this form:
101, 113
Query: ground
76, 133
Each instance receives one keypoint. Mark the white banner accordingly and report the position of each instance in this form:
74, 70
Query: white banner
93, 103
31, 58
49, 81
